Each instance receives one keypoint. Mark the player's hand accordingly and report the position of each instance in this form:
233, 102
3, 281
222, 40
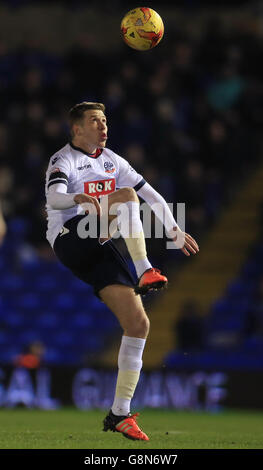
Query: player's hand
184, 241
86, 199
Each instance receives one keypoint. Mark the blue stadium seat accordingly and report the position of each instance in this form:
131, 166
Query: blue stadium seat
79, 286
70, 357
240, 288
45, 283
63, 301
3, 338
94, 343
11, 282
225, 307
13, 318
28, 336
18, 227
9, 352
258, 252
53, 356
82, 320
63, 338
221, 307
252, 270
49, 320
8, 355
30, 301
254, 344
3, 263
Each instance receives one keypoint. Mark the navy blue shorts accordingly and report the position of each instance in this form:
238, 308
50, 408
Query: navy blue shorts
96, 264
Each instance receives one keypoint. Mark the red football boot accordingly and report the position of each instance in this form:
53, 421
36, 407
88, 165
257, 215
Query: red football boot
151, 279
127, 425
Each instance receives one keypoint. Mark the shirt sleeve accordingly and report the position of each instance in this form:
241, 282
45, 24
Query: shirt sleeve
57, 178
127, 176
159, 206
58, 198
58, 171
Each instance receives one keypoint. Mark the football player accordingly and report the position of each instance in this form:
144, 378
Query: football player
85, 173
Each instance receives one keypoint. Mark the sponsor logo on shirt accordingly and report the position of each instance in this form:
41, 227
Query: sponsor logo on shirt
100, 187
84, 167
109, 167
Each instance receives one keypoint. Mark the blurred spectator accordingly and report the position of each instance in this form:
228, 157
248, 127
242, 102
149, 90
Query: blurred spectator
6, 180
216, 150
84, 63
2, 226
37, 233
32, 357
226, 89
189, 329
6, 189
135, 154
137, 126
254, 320
193, 190
53, 134
4, 135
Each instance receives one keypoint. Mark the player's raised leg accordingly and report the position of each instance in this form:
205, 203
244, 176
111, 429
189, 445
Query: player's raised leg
129, 310
127, 206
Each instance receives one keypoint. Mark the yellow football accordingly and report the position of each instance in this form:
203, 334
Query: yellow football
142, 28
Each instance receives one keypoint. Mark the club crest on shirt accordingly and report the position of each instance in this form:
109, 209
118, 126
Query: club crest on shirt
109, 167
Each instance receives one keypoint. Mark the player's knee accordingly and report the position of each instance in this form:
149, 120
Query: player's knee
140, 327
145, 326
129, 194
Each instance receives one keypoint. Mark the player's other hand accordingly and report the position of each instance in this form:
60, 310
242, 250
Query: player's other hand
86, 200
185, 242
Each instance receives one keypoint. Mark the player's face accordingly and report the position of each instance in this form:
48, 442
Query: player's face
92, 131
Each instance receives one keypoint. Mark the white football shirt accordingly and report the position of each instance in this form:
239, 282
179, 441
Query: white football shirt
96, 174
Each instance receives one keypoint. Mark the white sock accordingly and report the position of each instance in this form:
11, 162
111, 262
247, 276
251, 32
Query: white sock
130, 364
141, 266
130, 226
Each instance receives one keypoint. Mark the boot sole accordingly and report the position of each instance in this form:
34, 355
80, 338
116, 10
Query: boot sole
154, 286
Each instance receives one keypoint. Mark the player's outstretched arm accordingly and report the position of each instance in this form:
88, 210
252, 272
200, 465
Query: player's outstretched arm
182, 240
